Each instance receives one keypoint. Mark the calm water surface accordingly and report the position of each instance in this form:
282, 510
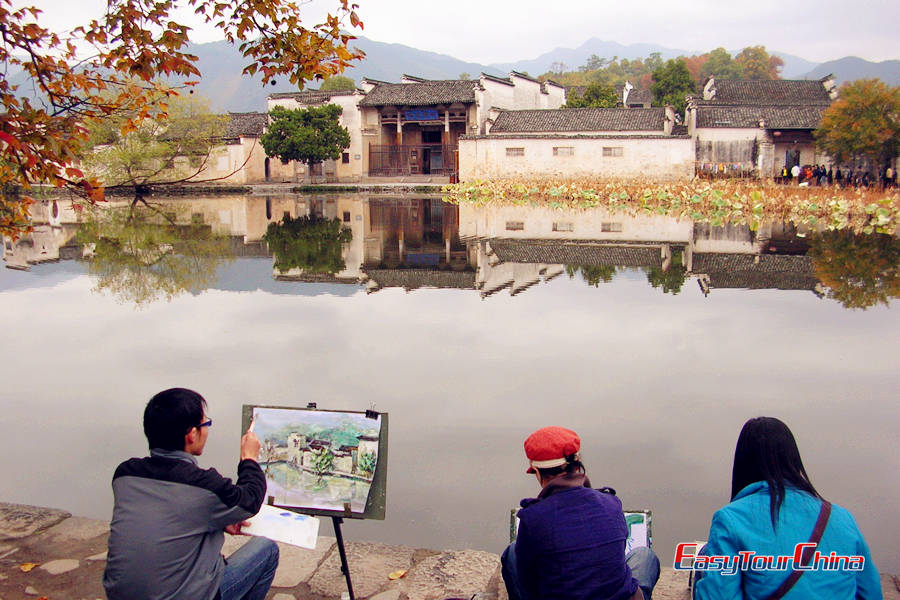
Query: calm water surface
471, 333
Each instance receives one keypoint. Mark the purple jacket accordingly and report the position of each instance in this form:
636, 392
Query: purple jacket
571, 543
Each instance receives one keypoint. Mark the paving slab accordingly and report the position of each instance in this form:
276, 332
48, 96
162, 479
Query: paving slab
458, 573
96, 557
20, 520
77, 529
283, 597
62, 565
370, 563
297, 565
672, 585
392, 594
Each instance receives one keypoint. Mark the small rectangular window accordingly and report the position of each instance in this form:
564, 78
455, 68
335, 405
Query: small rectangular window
612, 150
515, 151
346, 216
563, 226
515, 225
345, 158
611, 227
563, 151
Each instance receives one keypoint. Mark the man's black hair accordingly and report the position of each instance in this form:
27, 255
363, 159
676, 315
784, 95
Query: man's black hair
767, 451
170, 415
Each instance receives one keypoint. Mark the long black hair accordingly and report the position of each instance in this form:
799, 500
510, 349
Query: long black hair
767, 451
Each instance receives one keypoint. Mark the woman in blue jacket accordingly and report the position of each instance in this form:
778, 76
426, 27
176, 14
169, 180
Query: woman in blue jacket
773, 508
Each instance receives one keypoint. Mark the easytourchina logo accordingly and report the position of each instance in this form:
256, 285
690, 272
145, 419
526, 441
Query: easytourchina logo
805, 558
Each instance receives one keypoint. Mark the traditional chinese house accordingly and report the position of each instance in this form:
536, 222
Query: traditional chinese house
412, 128
745, 127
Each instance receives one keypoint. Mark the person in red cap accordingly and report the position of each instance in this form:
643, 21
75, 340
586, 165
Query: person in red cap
571, 539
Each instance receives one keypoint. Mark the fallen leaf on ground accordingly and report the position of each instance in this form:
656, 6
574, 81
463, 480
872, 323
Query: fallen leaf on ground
397, 574
25, 567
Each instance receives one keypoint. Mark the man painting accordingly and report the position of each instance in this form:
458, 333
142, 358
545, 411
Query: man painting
170, 516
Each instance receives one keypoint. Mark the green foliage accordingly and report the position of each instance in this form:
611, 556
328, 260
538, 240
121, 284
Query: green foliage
366, 462
338, 83
671, 83
596, 95
593, 275
671, 280
148, 153
465, 76
141, 255
309, 243
859, 271
721, 65
717, 202
863, 124
322, 462
309, 135
756, 63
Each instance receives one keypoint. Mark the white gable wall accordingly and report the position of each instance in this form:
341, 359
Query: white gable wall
657, 158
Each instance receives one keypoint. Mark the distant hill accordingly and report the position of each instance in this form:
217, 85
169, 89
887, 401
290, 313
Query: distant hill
851, 68
221, 64
794, 66
575, 57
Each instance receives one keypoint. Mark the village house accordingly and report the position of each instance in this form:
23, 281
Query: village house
239, 158
410, 130
573, 142
349, 168
744, 127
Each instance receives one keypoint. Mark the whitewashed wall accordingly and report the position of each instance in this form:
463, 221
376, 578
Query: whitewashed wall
481, 222
485, 157
351, 118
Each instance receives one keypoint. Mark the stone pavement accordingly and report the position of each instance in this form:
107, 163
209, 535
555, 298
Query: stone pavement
47, 553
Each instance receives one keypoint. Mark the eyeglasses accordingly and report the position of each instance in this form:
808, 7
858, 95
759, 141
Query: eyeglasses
206, 423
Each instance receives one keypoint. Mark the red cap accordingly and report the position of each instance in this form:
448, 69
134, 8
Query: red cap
548, 447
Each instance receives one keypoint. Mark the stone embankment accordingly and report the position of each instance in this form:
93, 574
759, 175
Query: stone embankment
47, 553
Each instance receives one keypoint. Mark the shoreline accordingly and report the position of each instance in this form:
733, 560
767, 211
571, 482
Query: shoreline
68, 555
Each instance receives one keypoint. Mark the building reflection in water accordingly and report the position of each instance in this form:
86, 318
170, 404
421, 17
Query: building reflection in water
413, 242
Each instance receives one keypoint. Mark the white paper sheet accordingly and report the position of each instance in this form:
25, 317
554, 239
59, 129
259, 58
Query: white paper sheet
284, 526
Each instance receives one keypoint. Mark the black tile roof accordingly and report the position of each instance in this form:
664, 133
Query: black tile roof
774, 117
776, 91
594, 254
635, 96
311, 96
245, 124
580, 119
411, 279
424, 93
772, 271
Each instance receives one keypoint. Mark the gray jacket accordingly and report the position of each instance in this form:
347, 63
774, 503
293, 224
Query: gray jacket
168, 525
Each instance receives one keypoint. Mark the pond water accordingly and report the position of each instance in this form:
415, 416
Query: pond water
654, 339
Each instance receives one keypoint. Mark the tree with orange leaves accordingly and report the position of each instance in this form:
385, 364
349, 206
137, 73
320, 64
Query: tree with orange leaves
112, 67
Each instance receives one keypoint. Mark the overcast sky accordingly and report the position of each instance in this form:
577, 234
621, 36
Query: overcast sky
490, 31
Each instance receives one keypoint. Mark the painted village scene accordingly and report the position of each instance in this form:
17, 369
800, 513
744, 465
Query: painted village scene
319, 460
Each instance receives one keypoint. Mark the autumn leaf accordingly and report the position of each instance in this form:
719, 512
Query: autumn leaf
28, 566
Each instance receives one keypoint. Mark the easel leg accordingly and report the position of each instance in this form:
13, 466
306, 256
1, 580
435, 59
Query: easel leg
345, 568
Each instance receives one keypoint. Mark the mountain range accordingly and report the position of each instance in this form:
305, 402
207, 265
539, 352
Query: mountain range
221, 64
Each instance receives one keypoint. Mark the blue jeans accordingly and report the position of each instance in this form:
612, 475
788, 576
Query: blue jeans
642, 561
250, 570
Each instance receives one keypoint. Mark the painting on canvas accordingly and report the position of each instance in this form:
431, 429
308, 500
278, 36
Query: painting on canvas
317, 459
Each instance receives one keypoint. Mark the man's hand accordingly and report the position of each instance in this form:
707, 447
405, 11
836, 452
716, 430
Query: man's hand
235, 529
250, 446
